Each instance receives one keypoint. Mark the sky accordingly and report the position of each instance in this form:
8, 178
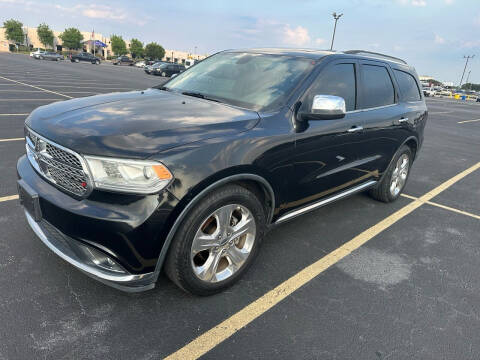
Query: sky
431, 35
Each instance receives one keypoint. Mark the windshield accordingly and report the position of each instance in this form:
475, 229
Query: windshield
252, 81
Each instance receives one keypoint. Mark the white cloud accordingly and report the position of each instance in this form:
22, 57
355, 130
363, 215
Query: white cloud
413, 2
296, 36
449, 2
374, 45
320, 41
397, 48
104, 12
438, 39
419, 3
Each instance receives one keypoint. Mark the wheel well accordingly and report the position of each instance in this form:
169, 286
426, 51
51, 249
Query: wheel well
261, 192
412, 144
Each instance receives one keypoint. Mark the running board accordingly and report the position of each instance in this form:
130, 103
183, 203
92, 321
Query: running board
324, 202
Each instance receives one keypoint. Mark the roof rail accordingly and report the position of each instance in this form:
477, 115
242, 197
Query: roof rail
378, 55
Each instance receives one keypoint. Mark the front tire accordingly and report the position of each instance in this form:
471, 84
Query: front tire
217, 242
394, 180
164, 74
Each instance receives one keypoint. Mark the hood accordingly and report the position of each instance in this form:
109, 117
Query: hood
137, 124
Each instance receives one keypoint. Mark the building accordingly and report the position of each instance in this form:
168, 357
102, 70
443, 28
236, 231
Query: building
32, 41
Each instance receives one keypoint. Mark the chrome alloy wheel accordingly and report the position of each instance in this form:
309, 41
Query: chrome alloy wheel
223, 243
399, 175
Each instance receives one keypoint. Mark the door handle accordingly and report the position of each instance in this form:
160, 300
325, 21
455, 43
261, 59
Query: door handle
402, 120
355, 129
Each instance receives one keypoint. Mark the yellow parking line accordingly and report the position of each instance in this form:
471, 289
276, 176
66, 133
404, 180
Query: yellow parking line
468, 121
213, 337
11, 139
36, 87
7, 198
445, 207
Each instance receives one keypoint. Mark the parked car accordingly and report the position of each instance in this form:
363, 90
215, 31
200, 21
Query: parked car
140, 64
48, 55
38, 51
149, 68
85, 56
429, 92
167, 70
188, 177
123, 60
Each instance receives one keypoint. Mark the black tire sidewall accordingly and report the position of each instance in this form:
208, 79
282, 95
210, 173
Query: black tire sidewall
180, 250
388, 177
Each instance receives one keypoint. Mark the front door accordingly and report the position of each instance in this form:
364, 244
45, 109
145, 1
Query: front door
326, 151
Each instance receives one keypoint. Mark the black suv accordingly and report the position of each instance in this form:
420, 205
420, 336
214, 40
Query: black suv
167, 70
188, 176
85, 56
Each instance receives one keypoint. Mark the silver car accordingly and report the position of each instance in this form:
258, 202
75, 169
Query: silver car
48, 55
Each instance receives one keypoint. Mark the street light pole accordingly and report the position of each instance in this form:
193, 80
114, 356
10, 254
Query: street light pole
465, 68
336, 17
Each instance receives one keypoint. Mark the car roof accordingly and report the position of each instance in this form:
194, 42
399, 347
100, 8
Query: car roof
315, 54
307, 53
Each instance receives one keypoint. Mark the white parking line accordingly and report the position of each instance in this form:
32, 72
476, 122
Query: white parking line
37, 87
14, 114
11, 139
468, 121
34, 99
88, 87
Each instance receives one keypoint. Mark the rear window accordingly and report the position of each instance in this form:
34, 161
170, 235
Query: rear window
377, 87
408, 86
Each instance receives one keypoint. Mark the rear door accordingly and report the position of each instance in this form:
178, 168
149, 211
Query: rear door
380, 112
411, 102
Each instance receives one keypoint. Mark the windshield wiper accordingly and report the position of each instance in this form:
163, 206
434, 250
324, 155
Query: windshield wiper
164, 88
200, 95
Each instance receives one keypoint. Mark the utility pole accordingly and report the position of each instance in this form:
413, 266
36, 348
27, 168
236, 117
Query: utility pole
465, 68
468, 77
336, 17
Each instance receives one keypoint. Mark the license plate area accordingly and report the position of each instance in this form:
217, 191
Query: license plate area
30, 200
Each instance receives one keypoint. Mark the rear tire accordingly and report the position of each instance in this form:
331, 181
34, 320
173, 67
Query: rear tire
217, 242
394, 180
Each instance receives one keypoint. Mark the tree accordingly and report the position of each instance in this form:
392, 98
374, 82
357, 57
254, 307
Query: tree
45, 35
154, 51
72, 38
471, 86
118, 45
13, 30
136, 48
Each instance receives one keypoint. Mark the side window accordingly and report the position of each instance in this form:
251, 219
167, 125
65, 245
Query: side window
377, 87
408, 86
338, 80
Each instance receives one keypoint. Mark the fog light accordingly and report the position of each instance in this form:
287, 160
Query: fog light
101, 260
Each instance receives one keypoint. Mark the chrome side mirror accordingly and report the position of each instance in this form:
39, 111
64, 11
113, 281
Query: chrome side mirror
327, 107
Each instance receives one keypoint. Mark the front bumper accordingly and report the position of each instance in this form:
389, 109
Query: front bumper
75, 253
125, 230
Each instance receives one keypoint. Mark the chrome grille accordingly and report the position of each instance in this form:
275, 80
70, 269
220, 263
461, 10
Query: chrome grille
63, 156
57, 164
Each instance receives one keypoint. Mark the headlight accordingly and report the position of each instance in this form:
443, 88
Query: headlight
132, 176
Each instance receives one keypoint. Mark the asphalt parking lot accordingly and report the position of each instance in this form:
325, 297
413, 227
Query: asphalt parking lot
358, 279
